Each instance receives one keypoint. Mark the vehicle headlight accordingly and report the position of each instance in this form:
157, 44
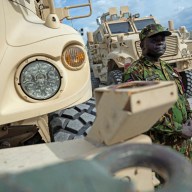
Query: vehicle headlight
40, 80
73, 57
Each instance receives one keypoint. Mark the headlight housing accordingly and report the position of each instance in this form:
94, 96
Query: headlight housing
38, 79
73, 57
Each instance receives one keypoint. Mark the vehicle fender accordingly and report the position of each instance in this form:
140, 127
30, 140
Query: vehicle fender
118, 58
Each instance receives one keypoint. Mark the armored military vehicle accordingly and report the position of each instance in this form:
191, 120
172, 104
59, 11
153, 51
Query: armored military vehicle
44, 68
115, 45
88, 164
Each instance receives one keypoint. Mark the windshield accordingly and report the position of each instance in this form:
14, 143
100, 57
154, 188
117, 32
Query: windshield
123, 27
140, 24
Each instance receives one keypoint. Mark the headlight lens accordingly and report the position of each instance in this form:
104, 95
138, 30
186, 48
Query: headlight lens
74, 57
40, 80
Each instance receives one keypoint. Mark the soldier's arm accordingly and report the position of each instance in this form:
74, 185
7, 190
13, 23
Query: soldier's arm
127, 77
132, 74
166, 125
187, 105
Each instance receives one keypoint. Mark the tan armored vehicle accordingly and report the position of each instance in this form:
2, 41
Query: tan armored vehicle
41, 167
115, 45
44, 68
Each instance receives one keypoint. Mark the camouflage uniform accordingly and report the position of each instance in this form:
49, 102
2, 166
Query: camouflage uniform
167, 130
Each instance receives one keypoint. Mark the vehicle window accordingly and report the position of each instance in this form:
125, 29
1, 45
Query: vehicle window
140, 24
123, 27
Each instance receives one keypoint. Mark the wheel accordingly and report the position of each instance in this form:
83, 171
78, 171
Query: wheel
94, 81
114, 77
187, 82
157, 157
72, 123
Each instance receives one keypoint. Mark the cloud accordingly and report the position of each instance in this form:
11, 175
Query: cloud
180, 8
163, 10
60, 3
184, 18
100, 3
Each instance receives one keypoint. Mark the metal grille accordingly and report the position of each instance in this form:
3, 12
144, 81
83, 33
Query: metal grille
171, 49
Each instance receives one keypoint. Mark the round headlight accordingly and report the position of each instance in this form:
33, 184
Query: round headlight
40, 80
73, 57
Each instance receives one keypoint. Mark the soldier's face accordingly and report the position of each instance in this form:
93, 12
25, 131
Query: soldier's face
154, 46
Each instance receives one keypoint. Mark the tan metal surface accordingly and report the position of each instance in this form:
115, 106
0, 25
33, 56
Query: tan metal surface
121, 112
20, 159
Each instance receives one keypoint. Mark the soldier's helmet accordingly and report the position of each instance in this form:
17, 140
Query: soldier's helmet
153, 29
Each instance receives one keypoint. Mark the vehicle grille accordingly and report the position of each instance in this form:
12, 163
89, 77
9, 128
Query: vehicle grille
171, 50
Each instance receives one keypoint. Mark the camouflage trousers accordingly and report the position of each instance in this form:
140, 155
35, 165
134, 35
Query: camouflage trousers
178, 143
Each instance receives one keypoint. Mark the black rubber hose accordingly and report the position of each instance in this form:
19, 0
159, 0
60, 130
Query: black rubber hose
170, 165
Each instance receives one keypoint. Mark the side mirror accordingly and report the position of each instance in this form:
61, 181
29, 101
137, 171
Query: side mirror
98, 20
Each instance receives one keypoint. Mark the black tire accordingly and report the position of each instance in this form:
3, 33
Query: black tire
72, 123
94, 81
187, 82
166, 162
114, 77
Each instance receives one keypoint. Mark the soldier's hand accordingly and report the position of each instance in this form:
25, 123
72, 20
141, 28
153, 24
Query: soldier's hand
187, 129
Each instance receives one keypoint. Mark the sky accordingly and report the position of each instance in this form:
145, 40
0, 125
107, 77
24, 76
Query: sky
180, 11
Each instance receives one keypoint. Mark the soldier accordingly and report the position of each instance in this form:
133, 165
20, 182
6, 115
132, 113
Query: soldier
175, 127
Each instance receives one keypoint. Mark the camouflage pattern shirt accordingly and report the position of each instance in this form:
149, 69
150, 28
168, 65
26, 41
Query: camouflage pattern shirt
168, 129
